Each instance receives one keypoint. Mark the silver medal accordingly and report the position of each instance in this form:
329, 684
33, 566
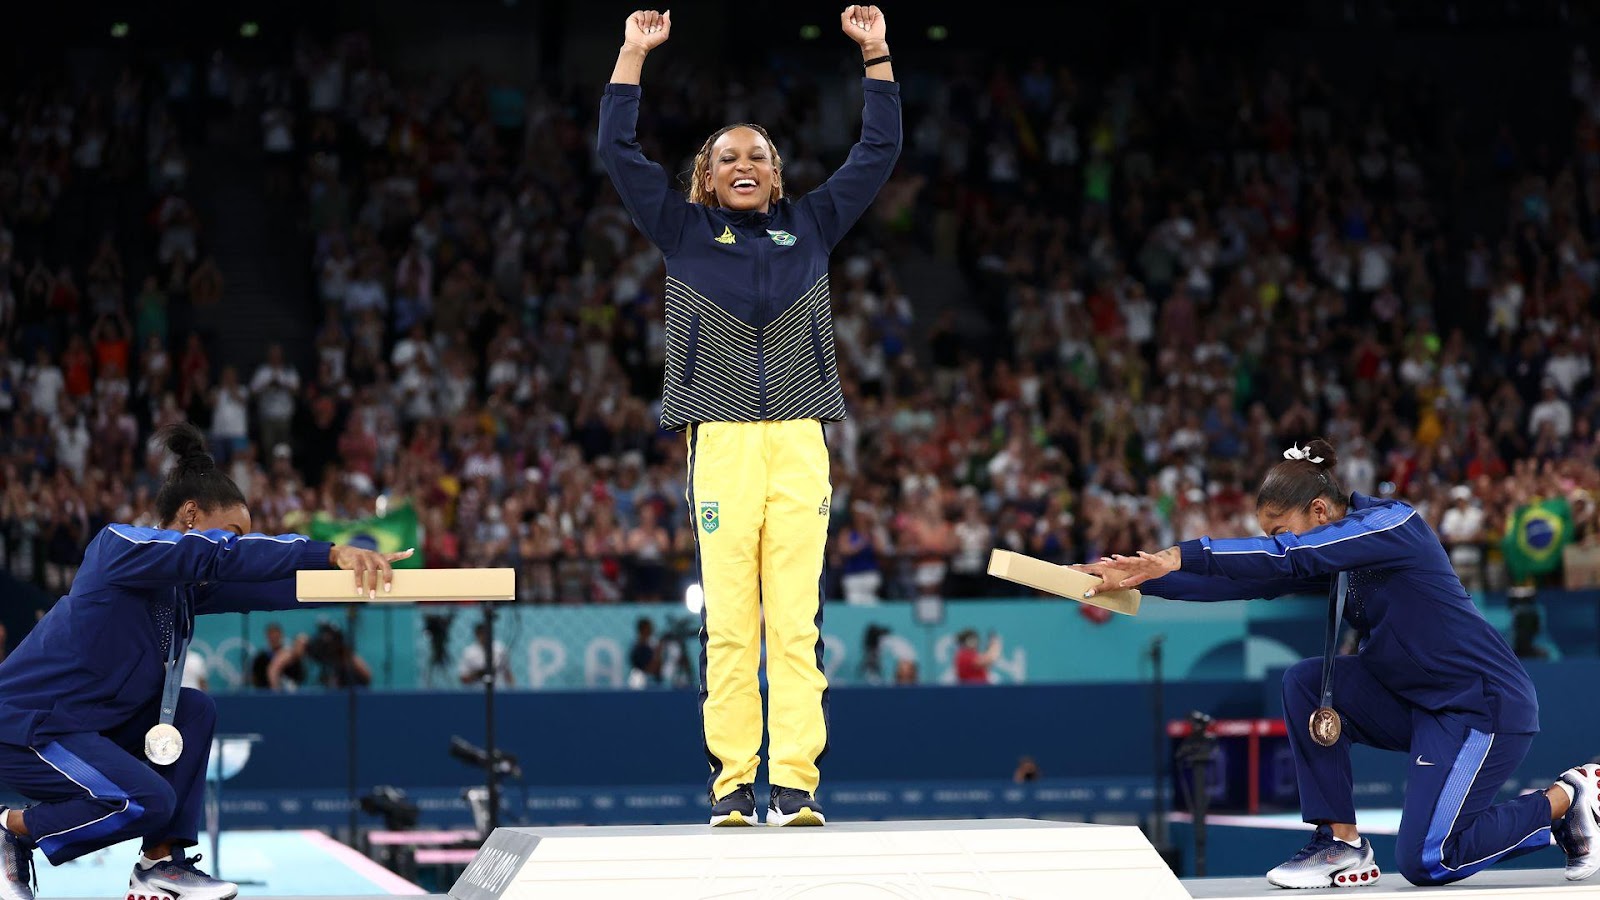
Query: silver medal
163, 744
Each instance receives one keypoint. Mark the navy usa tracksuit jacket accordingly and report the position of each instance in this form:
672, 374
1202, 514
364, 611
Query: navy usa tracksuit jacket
81, 690
1432, 678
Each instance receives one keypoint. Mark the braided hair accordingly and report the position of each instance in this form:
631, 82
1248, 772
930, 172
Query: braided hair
699, 193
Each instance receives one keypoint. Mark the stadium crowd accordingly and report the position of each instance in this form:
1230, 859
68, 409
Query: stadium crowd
1186, 272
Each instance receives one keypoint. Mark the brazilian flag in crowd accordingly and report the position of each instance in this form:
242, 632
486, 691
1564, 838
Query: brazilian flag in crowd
392, 532
1535, 536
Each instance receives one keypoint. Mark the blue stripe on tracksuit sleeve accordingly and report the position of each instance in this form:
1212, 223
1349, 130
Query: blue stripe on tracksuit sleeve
152, 557
1193, 588
99, 787
1374, 537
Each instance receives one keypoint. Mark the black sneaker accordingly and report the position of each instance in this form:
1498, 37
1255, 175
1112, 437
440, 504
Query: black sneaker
792, 806
738, 808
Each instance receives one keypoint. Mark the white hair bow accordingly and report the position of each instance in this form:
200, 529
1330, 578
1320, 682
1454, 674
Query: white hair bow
1295, 452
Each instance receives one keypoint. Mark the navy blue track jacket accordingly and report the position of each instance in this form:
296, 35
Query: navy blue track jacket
96, 659
1422, 636
749, 323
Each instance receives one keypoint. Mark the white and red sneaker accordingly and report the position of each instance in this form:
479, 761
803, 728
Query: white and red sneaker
1578, 832
1327, 862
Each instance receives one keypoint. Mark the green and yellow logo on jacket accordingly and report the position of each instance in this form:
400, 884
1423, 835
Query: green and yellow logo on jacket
710, 518
781, 238
726, 237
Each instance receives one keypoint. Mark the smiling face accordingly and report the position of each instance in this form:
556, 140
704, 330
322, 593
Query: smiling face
742, 171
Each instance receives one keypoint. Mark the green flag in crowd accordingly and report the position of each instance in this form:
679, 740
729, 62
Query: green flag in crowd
390, 533
1535, 536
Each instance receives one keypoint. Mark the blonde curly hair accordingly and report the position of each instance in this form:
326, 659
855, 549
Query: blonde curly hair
699, 193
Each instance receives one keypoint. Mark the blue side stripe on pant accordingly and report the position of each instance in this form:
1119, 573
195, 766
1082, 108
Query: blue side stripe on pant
1463, 772
99, 787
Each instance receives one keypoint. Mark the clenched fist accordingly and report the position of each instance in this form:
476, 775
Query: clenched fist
863, 24
647, 29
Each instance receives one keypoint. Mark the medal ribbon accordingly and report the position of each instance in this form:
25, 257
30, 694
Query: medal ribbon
182, 632
1330, 647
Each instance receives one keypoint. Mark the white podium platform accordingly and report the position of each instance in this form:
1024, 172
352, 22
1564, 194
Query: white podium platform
1011, 858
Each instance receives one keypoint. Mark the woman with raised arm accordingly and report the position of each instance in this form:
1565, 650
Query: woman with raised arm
751, 378
1431, 679
95, 726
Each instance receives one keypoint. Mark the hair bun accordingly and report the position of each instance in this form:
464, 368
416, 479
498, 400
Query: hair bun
197, 463
185, 441
1319, 447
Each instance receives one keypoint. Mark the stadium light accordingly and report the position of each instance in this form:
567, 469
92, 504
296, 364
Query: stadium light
249, 29
694, 599
937, 32
810, 32
119, 29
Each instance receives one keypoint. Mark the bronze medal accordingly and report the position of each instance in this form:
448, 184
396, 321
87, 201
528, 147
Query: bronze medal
1325, 726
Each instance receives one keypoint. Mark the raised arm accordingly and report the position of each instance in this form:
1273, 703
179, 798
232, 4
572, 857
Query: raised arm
837, 203
656, 209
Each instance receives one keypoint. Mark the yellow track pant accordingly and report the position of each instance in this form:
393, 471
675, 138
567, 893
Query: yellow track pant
759, 492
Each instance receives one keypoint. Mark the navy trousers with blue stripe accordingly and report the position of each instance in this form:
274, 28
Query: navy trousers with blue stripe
1451, 827
95, 790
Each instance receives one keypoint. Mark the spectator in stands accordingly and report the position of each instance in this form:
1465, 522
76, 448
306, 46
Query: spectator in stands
971, 663
859, 547
288, 670
261, 663
274, 386
1461, 530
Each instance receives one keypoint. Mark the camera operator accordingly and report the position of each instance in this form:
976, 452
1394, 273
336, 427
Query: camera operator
872, 653
473, 665
676, 665
437, 628
644, 659
341, 667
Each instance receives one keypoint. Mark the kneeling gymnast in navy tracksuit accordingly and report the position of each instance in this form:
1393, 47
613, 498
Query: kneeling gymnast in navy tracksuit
1432, 679
87, 697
